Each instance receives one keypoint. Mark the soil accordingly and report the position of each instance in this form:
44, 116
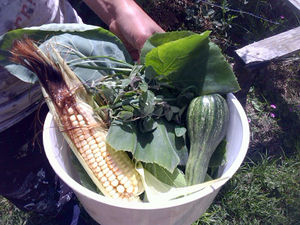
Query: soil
275, 86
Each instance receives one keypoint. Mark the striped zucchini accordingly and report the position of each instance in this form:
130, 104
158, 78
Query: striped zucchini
112, 171
207, 120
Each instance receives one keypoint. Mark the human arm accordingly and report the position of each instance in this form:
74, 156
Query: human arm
127, 20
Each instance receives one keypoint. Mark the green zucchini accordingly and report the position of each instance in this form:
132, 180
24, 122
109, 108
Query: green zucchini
207, 122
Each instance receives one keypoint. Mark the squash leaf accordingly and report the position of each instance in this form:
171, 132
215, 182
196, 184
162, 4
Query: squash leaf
165, 59
160, 146
157, 191
175, 179
188, 60
162, 38
122, 136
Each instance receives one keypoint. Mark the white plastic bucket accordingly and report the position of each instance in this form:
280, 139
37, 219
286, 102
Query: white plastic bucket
182, 211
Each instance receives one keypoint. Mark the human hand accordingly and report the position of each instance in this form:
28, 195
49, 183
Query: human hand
126, 20
133, 26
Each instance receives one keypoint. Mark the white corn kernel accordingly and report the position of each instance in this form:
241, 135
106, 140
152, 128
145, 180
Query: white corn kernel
86, 147
104, 154
96, 151
73, 118
97, 134
83, 155
101, 144
81, 150
81, 137
109, 188
92, 160
78, 144
98, 139
106, 184
89, 139
94, 146
70, 111
115, 183
84, 142
89, 151
116, 170
92, 142
104, 170
112, 177
79, 117
120, 188
102, 163
75, 123
103, 179
120, 177
109, 174
100, 174
99, 159
89, 156
94, 165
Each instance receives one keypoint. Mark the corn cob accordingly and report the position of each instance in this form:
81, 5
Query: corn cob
112, 171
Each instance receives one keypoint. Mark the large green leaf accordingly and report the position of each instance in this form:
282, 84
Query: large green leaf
188, 60
161, 146
158, 146
162, 38
122, 136
174, 55
73, 40
175, 179
158, 191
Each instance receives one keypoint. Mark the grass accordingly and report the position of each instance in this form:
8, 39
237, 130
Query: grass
264, 192
266, 189
10, 215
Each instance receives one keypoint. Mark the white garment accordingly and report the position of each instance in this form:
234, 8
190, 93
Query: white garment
17, 98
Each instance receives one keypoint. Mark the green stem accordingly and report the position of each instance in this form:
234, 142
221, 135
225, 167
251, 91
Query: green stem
104, 68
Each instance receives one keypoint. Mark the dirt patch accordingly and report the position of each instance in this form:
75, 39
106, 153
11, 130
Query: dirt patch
269, 93
276, 129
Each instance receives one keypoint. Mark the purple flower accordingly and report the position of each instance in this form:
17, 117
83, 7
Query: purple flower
249, 120
282, 17
273, 106
272, 115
